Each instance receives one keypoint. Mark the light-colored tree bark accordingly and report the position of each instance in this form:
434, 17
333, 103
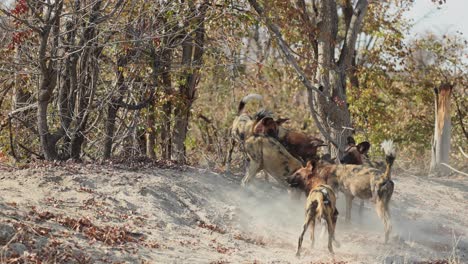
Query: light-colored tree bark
442, 129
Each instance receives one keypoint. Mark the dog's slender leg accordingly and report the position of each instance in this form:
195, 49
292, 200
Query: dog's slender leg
388, 226
254, 168
246, 160
382, 203
229, 157
309, 218
312, 232
334, 219
386, 219
361, 208
331, 229
304, 229
323, 223
349, 203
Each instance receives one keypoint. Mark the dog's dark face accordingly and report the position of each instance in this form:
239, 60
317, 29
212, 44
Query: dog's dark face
268, 126
304, 178
354, 154
363, 147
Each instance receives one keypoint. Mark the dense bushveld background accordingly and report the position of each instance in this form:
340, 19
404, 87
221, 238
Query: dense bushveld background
96, 79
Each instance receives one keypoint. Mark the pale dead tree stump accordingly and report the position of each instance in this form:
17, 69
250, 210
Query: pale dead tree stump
442, 130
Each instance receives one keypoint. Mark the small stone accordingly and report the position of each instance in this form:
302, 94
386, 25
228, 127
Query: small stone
6, 234
18, 248
41, 242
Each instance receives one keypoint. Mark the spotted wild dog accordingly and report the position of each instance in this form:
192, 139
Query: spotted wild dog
358, 155
242, 126
355, 154
266, 153
321, 203
300, 145
363, 182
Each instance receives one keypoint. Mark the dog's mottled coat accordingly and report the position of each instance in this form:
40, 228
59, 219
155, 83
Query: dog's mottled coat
363, 182
266, 153
321, 204
300, 145
241, 128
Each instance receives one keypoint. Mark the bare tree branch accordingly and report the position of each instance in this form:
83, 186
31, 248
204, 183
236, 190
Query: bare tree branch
352, 32
284, 47
463, 153
119, 4
24, 21
138, 106
452, 168
302, 76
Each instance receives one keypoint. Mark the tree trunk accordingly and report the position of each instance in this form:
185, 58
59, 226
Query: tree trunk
67, 90
150, 134
47, 141
48, 81
181, 115
327, 98
166, 135
113, 107
184, 104
109, 130
166, 138
88, 78
192, 52
442, 129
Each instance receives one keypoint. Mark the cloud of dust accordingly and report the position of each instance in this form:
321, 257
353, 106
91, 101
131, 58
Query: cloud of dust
268, 212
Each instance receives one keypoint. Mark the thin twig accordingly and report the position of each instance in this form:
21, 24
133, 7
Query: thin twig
450, 167
30, 151
22, 109
461, 150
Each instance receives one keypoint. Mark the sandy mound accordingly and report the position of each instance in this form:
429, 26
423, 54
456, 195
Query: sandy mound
106, 214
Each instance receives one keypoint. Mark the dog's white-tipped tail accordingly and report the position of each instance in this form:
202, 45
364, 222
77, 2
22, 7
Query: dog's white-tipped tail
389, 148
390, 153
246, 99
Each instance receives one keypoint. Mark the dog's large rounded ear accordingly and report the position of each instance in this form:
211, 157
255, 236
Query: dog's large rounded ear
280, 121
309, 165
262, 113
363, 147
350, 141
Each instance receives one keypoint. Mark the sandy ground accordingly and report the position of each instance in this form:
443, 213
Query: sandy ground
77, 213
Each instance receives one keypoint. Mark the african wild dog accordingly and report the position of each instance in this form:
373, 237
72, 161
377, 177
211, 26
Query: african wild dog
300, 145
242, 127
321, 203
355, 154
266, 153
363, 182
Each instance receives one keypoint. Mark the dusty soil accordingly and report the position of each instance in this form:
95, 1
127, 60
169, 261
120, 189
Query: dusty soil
77, 213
